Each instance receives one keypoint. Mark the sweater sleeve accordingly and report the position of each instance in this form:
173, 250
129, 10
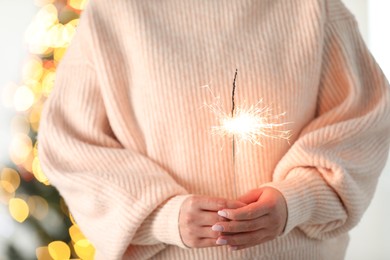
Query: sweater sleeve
329, 175
110, 189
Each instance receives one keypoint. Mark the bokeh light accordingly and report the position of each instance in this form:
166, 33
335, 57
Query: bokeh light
48, 82
39, 208
37, 171
72, 219
20, 148
59, 53
82, 246
42, 253
47, 38
20, 124
35, 116
84, 249
37, 35
59, 250
23, 98
18, 209
5, 196
9, 180
32, 70
75, 233
77, 4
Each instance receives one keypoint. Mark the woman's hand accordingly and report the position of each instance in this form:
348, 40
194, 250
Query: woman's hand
262, 219
197, 215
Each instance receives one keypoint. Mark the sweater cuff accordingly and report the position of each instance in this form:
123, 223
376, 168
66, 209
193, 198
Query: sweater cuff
165, 224
302, 189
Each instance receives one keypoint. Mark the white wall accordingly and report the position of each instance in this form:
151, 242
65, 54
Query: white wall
378, 35
359, 9
15, 16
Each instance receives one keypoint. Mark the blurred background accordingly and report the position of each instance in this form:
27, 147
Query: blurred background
34, 220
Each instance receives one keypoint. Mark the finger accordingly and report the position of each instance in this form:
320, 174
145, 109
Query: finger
210, 203
191, 236
242, 226
213, 204
243, 239
208, 218
207, 232
234, 204
251, 196
251, 211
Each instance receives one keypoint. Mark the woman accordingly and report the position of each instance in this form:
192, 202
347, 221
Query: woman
124, 141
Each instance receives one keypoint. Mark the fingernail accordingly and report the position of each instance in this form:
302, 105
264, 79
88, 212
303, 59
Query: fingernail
217, 228
222, 213
221, 241
234, 248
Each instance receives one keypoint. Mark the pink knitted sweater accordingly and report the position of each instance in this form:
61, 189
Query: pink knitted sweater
125, 139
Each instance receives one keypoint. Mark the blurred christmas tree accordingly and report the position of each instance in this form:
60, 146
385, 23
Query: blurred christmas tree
39, 225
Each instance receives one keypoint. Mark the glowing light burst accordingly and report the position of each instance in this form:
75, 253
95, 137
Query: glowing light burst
246, 123
251, 124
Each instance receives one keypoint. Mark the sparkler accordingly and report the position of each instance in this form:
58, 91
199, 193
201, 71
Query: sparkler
253, 124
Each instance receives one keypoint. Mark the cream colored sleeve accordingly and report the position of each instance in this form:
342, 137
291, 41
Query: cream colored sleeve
110, 190
329, 175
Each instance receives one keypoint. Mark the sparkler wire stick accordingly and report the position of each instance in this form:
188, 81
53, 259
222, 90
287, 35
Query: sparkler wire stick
254, 124
233, 142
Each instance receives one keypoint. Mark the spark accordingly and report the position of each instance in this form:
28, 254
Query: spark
253, 124
247, 123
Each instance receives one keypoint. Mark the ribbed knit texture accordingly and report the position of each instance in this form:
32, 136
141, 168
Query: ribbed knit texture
125, 139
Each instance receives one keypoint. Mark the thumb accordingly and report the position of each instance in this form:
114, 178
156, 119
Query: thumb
251, 196
234, 204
